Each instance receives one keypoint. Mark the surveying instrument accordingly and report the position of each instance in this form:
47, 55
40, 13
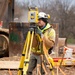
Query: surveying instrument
24, 62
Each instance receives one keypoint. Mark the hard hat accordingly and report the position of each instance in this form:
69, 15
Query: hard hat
43, 15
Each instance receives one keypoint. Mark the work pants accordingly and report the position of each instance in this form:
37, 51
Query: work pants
34, 61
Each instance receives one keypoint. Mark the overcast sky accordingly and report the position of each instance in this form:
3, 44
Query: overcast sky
30, 2
33, 1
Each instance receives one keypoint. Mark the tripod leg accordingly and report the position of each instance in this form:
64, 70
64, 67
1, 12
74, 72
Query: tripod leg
31, 43
23, 56
25, 45
44, 69
38, 69
49, 59
28, 43
28, 51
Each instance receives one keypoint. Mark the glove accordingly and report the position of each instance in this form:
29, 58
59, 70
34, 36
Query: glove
50, 50
38, 31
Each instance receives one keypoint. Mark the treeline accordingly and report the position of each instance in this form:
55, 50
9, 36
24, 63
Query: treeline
61, 11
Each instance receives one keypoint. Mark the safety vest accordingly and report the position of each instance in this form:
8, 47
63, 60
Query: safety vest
49, 32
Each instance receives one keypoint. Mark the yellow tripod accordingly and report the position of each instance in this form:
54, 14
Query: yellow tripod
26, 53
24, 62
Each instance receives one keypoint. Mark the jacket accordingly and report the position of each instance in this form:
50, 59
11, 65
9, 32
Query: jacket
48, 33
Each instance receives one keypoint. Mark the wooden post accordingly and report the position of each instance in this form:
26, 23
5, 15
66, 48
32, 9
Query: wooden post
56, 27
11, 10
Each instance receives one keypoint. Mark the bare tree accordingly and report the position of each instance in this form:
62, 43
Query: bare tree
61, 11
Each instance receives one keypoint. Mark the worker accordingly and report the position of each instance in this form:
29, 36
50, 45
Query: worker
49, 39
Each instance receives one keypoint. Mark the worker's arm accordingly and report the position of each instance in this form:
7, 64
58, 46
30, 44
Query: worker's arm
50, 39
48, 43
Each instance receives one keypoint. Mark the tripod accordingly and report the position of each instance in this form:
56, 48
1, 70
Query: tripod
26, 53
24, 62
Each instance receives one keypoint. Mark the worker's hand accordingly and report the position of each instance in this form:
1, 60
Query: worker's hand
38, 31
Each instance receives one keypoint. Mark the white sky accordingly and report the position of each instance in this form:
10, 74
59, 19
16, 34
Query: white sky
33, 1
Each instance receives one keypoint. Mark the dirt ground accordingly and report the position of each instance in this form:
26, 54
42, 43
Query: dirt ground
67, 70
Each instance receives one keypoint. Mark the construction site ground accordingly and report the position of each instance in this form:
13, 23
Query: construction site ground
68, 70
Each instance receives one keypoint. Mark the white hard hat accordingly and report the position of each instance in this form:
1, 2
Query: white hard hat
43, 15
